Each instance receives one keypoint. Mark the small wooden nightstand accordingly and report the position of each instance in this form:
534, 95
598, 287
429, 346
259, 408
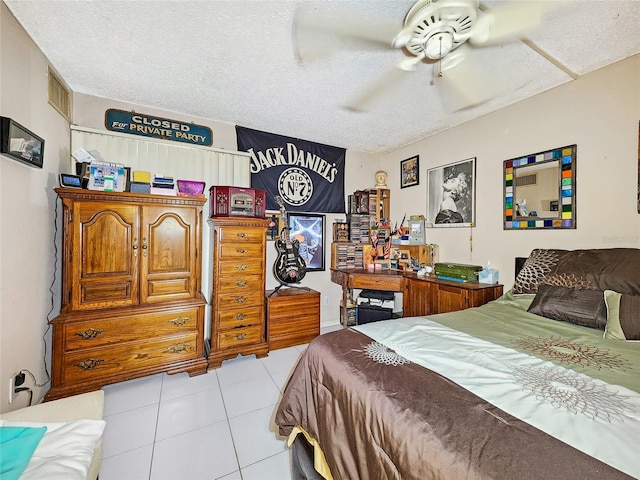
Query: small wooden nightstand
293, 317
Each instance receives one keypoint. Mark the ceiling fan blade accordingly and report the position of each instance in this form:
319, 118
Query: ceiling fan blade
388, 80
320, 32
465, 83
508, 23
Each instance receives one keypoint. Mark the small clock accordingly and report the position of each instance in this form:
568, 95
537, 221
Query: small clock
70, 181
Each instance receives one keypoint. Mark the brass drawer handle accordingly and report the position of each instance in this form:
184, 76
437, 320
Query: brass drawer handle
242, 235
180, 321
89, 364
179, 347
241, 250
242, 266
90, 333
241, 299
239, 316
241, 283
241, 336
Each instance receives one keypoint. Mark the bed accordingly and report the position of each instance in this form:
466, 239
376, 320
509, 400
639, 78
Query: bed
542, 383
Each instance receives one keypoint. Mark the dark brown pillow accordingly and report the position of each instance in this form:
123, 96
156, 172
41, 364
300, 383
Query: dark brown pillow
573, 305
623, 316
537, 266
592, 269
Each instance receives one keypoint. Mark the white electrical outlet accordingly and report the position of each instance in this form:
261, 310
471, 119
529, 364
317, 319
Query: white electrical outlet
12, 388
327, 300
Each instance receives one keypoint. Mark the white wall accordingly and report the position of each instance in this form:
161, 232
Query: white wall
599, 112
27, 206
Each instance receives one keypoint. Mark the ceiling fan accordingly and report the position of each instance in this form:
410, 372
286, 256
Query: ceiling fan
433, 32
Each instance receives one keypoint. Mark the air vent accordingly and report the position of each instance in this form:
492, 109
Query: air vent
59, 95
527, 180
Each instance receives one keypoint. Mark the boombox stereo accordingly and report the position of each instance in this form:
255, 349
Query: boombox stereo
226, 201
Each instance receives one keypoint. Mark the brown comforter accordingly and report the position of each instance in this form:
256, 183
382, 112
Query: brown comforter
402, 421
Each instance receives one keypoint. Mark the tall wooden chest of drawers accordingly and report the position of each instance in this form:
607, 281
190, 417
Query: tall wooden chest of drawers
293, 316
131, 300
238, 288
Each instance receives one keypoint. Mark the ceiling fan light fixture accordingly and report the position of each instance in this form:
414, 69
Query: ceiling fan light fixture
438, 45
430, 18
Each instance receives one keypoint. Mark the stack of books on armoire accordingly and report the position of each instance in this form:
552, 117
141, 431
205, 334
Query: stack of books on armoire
163, 185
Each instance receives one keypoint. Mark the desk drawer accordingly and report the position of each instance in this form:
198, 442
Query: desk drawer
375, 282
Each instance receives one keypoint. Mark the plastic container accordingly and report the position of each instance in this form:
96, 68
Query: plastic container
190, 188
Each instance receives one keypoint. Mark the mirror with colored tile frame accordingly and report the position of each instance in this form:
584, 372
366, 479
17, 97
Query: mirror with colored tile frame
539, 190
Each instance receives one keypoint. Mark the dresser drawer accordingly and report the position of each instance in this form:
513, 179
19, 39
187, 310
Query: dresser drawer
126, 358
241, 336
250, 266
240, 283
95, 333
235, 300
243, 249
238, 317
241, 234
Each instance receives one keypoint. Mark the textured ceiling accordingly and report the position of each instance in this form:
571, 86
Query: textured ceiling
234, 61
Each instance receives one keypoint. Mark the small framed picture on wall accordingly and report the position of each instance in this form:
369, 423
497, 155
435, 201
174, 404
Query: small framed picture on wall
410, 172
308, 229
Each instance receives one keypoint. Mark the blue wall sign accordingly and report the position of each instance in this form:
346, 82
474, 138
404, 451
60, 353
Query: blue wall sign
157, 127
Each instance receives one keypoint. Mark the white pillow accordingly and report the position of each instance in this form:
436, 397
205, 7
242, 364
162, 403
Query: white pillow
66, 450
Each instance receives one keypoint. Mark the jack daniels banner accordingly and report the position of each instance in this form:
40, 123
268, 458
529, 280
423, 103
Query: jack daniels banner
308, 176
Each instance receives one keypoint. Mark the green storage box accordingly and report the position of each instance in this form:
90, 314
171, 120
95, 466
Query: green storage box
457, 272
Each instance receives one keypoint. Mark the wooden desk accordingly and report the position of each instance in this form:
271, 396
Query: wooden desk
389, 280
421, 295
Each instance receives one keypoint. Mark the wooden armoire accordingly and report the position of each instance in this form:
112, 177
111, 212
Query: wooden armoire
131, 277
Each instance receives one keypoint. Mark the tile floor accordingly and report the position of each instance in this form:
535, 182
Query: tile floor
208, 427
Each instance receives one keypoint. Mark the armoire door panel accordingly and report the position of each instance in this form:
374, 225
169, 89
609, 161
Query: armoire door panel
168, 262
107, 275
99, 293
167, 287
169, 245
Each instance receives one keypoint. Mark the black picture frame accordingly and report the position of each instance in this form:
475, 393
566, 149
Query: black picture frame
410, 172
451, 195
309, 230
20, 143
